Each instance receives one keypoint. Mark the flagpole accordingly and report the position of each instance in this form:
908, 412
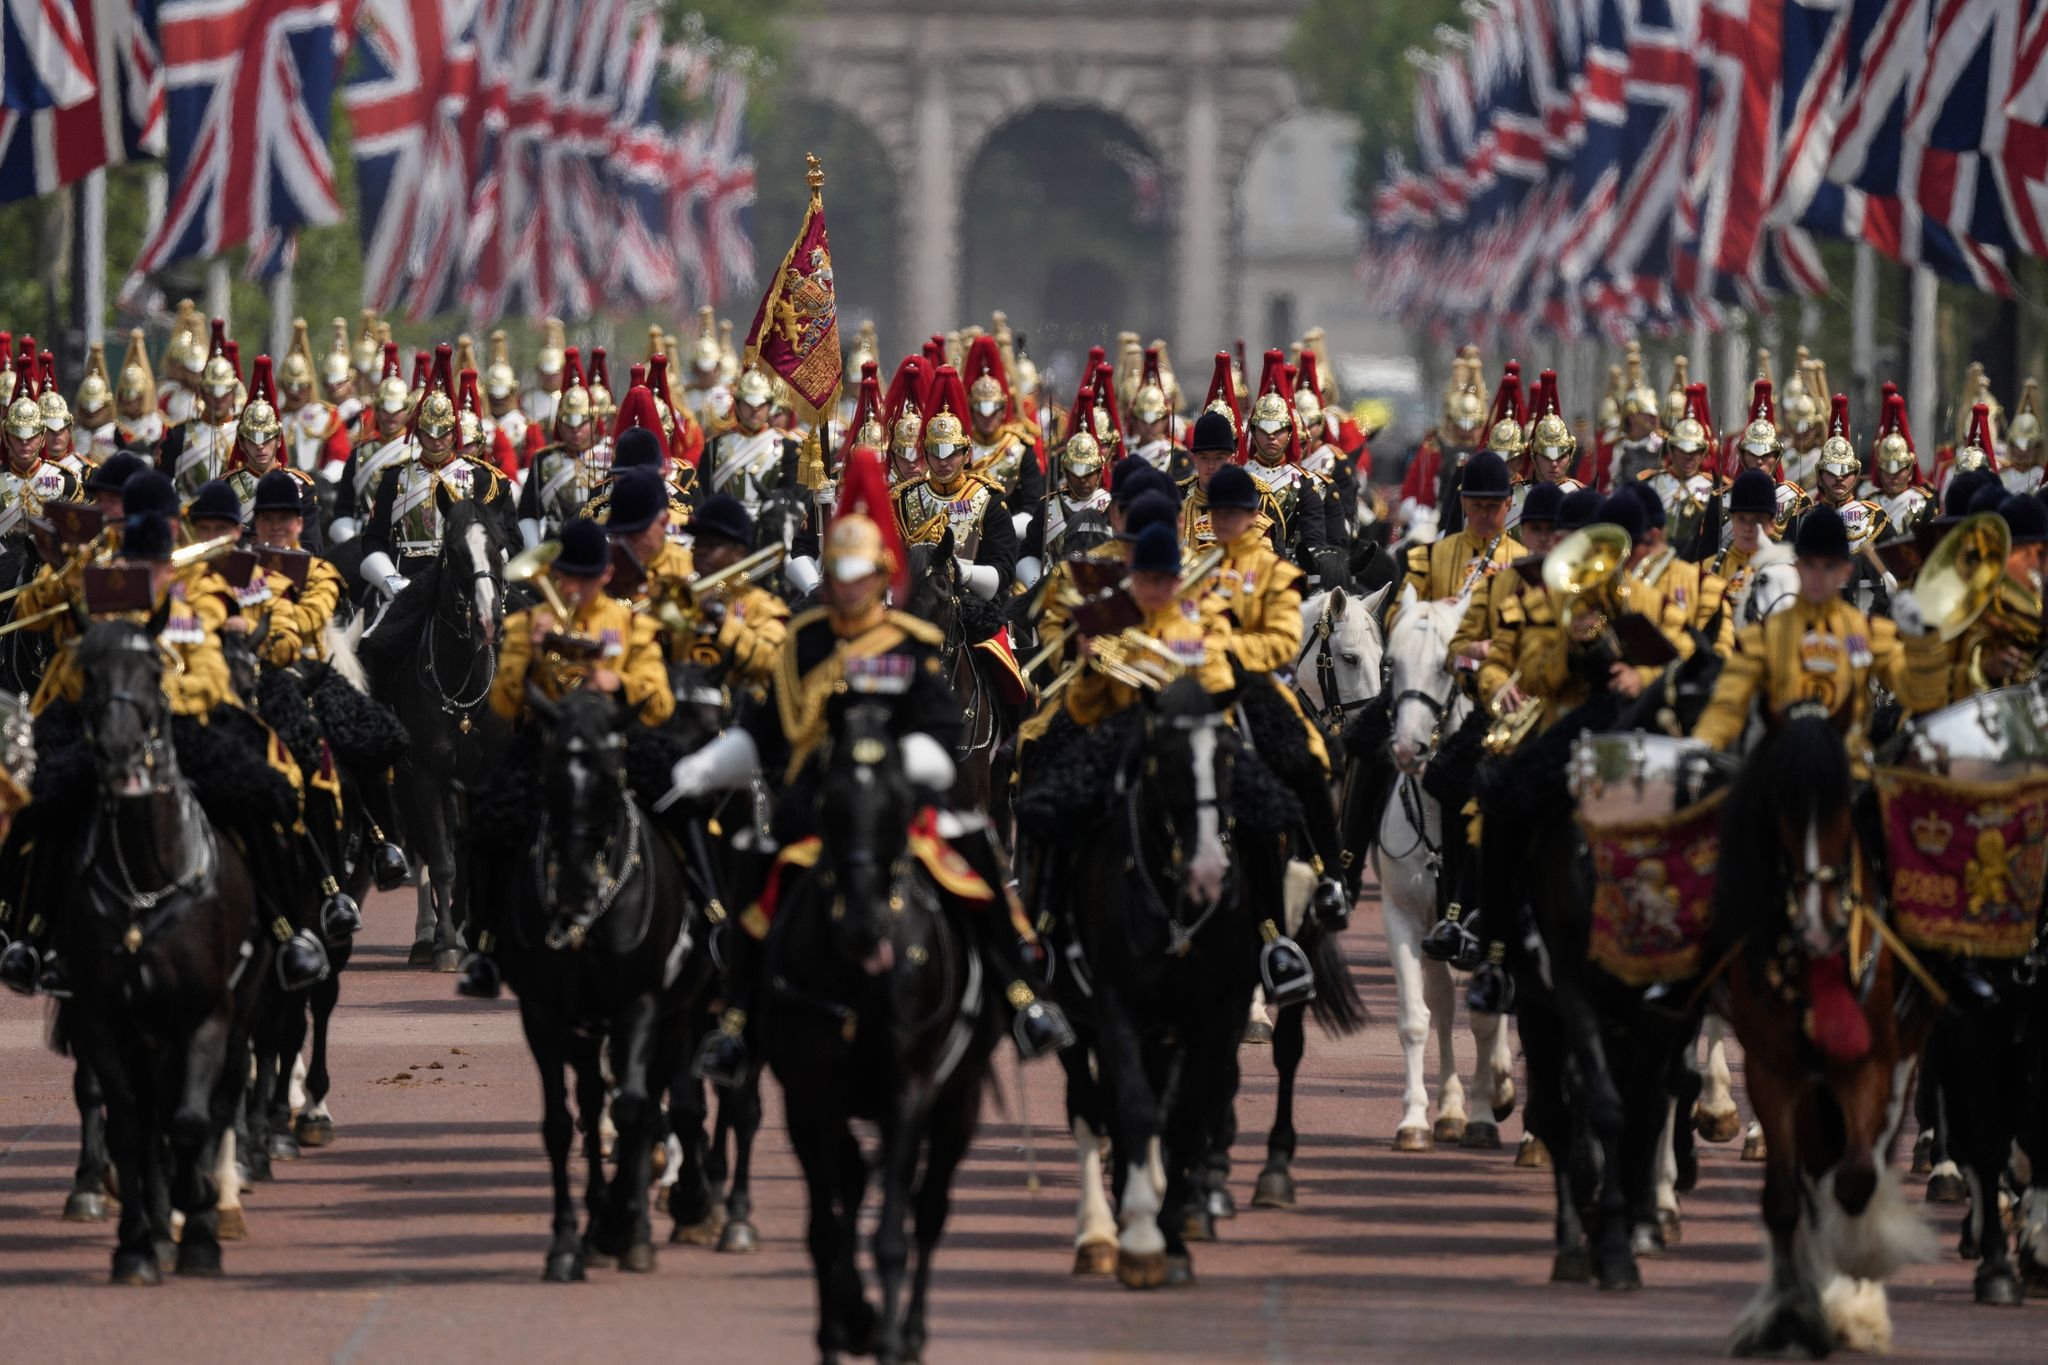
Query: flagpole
89, 299
217, 292
1926, 298
281, 305
1863, 329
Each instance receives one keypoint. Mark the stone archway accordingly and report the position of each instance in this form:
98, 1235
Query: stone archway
862, 203
1063, 210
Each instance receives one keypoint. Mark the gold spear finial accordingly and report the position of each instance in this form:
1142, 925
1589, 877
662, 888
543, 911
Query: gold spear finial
814, 174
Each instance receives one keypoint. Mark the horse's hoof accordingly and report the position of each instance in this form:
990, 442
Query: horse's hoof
1622, 1275
167, 1253
1481, 1136
232, 1227
1670, 1226
703, 1233
2000, 1287
1258, 1033
85, 1206
1720, 1127
1923, 1154
658, 1160
661, 1198
1180, 1272
1198, 1226
739, 1238
314, 1132
1645, 1240
283, 1146
198, 1258
1753, 1147
1504, 1098
564, 1267
1222, 1204
422, 954
1275, 1190
1412, 1140
447, 959
1095, 1258
1947, 1187
257, 1167
595, 1259
1145, 1270
1571, 1267
1532, 1154
1687, 1177
639, 1259
1449, 1129
135, 1268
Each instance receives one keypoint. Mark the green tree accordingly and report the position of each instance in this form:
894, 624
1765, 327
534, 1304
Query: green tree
1352, 55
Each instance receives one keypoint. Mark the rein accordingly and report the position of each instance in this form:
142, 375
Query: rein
576, 932
1180, 935
450, 700
1418, 820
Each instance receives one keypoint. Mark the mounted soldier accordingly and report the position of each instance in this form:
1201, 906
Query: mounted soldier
197, 451
140, 423
1897, 488
1760, 446
561, 476
316, 436
260, 438
1297, 503
752, 457
376, 452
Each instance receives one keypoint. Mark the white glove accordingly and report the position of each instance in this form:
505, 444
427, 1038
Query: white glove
379, 571
1021, 521
341, 530
1907, 614
802, 573
725, 764
981, 579
1029, 570
531, 531
926, 762
333, 471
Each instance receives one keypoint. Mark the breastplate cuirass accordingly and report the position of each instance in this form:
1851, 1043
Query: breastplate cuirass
927, 512
204, 456
1001, 464
1284, 485
24, 495
415, 513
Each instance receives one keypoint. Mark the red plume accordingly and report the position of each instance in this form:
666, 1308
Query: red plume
657, 377
468, 399
572, 368
260, 384
906, 389
32, 363
444, 373
1105, 402
1763, 405
49, 381
600, 373
422, 371
392, 369
1308, 378
864, 491
636, 377
1222, 386
1980, 430
985, 357
1838, 423
948, 394
1508, 401
24, 384
1905, 429
638, 409
866, 405
6, 350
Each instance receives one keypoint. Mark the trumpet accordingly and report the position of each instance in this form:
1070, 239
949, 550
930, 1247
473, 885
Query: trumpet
531, 566
1511, 725
1194, 581
80, 557
677, 605
1130, 657
204, 551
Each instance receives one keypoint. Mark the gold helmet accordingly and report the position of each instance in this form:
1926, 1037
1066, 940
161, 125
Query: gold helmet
573, 408
1637, 397
553, 348
1976, 389
1801, 410
728, 358
1760, 437
704, 355
986, 389
295, 371
944, 433
1026, 372
218, 377
1689, 435
94, 392
754, 387
909, 427
258, 421
186, 352
1610, 402
1464, 406
24, 417
436, 416
1307, 406
1838, 453
369, 347
501, 381
2023, 434
854, 549
56, 412
1674, 397
870, 433
394, 395
1082, 455
1551, 437
138, 384
865, 348
1130, 368
1271, 413
602, 404
335, 367
1149, 403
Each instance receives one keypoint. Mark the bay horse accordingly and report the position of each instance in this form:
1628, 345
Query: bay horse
876, 1006
440, 636
600, 946
165, 959
1830, 1097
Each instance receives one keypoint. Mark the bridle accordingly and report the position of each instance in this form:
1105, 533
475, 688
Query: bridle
453, 701
1180, 933
1330, 712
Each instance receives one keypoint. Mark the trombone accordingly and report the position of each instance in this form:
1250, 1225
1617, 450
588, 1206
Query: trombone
188, 557
81, 556
1117, 665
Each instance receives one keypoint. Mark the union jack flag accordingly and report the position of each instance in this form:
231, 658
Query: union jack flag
81, 88
249, 83
416, 105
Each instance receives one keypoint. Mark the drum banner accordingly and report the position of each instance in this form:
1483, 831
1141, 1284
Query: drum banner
1967, 860
1653, 896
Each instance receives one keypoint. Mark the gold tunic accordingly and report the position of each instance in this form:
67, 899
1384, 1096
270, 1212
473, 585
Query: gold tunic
627, 647
1095, 697
1261, 592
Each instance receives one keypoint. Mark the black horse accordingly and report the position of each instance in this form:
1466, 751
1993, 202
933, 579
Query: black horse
1165, 905
24, 654
599, 946
988, 720
165, 961
877, 1007
432, 658
1601, 1059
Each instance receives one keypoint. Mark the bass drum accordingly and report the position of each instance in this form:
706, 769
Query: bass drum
1991, 737
1626, 777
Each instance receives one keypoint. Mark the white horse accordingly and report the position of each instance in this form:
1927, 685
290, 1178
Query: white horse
1338, 669
1427, 707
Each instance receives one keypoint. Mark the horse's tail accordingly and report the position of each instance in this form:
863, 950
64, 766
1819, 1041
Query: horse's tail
341, 644
1336, 1006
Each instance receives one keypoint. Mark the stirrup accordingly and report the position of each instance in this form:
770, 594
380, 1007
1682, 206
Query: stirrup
1331, 905
1284, 969
53, 981
1039, 1027
1448, 939
722, 1057
340, 917
389, 866
479, 978
1492, 988
20, 966
302, 962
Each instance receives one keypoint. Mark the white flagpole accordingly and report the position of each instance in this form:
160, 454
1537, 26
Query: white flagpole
217, 293
281, 305
92, 304
1921, 357
1863, 330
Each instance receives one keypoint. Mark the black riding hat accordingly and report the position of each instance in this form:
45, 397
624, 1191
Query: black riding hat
279, 491
149, 490
113, 473
1485, 476
1821, 535
1754, 490
216, 501
1150, 509
1212, 433
1544, 502
586, 553
722, 515
1157, 551
637, 499
1234, 488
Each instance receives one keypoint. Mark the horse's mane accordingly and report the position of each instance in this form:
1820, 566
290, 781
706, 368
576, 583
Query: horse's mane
1801, 773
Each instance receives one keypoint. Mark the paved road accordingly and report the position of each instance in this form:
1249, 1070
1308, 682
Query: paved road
419, 1235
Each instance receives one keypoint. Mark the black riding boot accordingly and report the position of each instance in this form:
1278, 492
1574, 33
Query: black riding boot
389, 866
1492, 988
722, 1057
1040, 1027
1455, 937
302, 960
479, 977
1331, 903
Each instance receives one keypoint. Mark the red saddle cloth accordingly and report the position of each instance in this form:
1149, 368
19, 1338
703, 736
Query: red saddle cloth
953, 874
